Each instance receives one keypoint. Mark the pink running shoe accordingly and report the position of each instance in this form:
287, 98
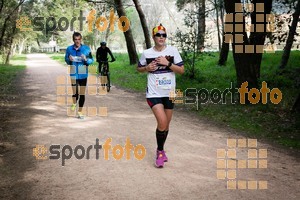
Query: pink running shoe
159, 163
164, 156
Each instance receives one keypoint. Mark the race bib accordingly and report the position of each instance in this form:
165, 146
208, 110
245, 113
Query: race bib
163, 81
77, 59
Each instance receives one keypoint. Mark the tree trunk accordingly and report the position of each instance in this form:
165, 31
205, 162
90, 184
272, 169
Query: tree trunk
21, 46
224, 52
133, 58
107, 33
247, 63
3, 31
258, 38
143, 23
11, 39
201, 25
245, 70
218, 24
38, 42
221, 4
290, 40
14, 49
225, 46
8, 56
10, 46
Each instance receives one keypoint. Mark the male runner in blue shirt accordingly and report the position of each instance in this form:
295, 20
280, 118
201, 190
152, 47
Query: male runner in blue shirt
79, 57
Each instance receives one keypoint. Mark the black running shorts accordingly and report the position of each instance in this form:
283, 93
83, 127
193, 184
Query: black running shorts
168, 104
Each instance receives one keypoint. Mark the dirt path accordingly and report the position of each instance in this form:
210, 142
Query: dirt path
191, 172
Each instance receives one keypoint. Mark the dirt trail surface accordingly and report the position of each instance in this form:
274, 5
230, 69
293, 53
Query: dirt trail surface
191, 172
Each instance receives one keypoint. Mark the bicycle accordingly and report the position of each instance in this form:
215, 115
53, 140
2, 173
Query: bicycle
105, 73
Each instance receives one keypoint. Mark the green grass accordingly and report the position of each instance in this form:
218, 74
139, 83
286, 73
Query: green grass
274, 122
8, 87
60, 57
126, 76
9, 72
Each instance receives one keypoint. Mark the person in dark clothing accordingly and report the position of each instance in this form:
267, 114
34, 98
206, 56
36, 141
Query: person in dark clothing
101, 55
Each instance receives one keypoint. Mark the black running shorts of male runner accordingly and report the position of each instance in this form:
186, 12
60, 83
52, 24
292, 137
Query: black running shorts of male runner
168, 104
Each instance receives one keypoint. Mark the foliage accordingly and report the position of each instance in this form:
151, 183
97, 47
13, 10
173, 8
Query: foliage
182, 3
188, 43
282, 9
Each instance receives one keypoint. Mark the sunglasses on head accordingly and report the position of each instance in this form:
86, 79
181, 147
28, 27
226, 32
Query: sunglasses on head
161, 35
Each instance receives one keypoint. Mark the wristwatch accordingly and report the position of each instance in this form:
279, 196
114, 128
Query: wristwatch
170, 64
